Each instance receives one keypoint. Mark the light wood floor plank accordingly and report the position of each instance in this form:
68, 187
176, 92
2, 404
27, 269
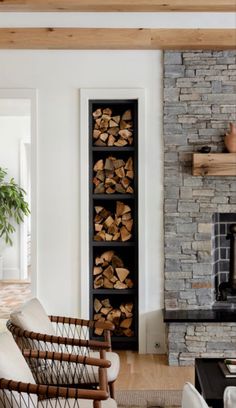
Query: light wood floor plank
151, 372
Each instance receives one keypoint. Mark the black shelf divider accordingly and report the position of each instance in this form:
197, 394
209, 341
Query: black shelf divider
128, 250
116, 197
113, 244
114, 292
112, 149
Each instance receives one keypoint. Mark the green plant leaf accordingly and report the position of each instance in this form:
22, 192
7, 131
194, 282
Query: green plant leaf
13, 206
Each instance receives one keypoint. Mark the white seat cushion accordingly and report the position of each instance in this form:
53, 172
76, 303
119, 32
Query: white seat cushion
113, 371
71, 403
191, 398
32, 317
12, 363
14, 367
230, 397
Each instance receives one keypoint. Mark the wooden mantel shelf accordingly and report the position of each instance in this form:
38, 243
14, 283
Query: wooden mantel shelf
214, 164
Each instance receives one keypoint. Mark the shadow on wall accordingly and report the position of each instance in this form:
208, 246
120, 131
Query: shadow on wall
155, 329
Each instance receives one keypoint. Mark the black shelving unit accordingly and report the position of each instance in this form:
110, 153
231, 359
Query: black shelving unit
128, 250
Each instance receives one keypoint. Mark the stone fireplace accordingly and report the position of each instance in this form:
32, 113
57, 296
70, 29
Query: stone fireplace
199, 103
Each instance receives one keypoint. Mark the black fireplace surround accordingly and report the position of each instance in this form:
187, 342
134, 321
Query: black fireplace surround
223, 250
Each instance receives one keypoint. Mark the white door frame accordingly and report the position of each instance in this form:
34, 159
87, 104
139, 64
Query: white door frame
85, 96
30, 94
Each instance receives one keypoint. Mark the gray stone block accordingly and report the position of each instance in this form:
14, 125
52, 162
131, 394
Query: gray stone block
201, 245
205, 228
225, 60
172, 58
216, 86
186, 228
199, 109
203, 192
171, 128
190, 97
204, 256
171, 192
175, 109
172, 265
171, 94
185, 206
174, 71
211, 345
201, 269
174, 285
186, 192
220, 98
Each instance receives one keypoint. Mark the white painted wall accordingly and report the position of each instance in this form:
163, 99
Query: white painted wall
13, 129
58, 76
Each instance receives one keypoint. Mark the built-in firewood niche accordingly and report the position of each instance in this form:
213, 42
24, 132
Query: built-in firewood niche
114, 218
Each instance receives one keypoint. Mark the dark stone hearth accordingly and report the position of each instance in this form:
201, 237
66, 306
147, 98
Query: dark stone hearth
180, 316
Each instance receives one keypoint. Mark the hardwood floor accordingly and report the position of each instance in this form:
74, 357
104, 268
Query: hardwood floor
150, 372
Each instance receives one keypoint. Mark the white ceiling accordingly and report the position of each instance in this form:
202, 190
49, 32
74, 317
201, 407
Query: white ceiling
119, 20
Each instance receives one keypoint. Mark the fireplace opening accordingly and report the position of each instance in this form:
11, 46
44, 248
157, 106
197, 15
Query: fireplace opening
224, 258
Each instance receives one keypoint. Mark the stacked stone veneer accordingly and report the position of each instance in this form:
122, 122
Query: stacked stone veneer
187, 341
199, 103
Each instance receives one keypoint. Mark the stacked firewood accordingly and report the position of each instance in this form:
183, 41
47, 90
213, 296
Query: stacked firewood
121, 317
113, 227
109, 272
112, 130
113, 176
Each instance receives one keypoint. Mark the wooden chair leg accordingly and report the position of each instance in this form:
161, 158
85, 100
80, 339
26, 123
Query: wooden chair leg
112, 389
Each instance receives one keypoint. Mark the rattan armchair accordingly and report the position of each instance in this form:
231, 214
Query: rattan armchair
33, 329
18, 388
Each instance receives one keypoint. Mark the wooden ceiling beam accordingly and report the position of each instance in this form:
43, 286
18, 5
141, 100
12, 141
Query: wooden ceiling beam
119, 5
114, 39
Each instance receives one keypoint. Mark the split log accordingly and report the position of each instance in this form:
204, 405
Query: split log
119, 285
127, 115
106, 125
113, 227
126, 323
109, 272
97, 270
99, 331
113, 175
119, 316
97, 305
98, 282
122, 273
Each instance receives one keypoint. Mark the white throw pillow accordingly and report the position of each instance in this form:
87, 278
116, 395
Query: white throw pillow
192, 398
14, 367
31, 316
230, 397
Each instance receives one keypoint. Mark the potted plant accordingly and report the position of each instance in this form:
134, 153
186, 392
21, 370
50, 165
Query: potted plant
13, 208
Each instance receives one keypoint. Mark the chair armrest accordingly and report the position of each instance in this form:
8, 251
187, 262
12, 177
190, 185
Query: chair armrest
67, 341
106, 325
50, 391
70, 358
